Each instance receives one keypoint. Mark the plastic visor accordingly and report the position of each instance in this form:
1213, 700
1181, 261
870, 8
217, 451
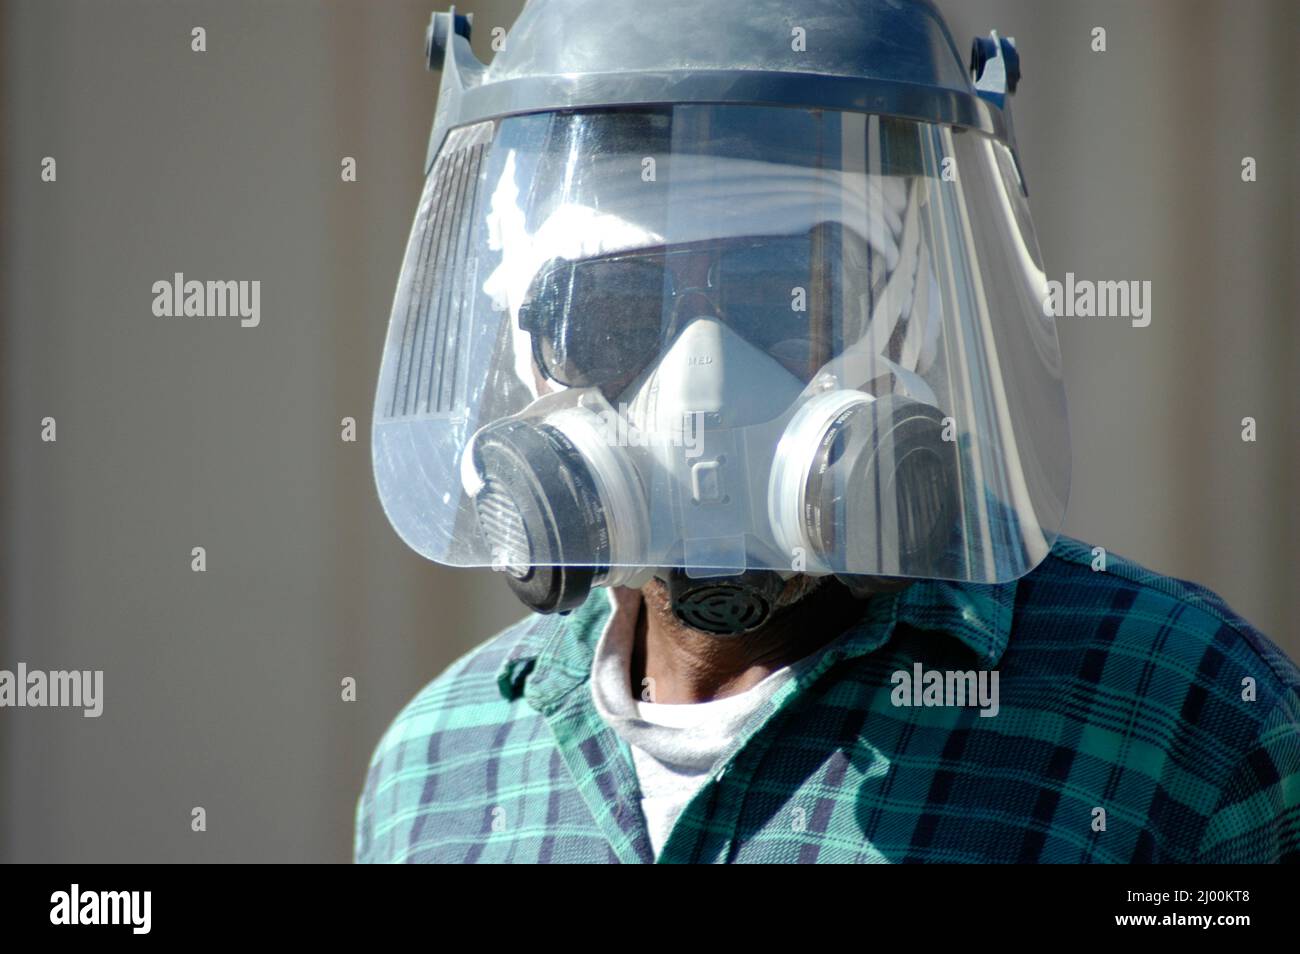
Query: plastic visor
557, 260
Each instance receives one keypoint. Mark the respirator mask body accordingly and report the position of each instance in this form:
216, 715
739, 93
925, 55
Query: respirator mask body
722, 345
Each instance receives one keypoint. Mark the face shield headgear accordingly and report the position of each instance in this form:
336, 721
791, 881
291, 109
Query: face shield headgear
724, 344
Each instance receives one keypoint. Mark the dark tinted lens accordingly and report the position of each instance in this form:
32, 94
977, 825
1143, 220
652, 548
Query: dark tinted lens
765, 290
597, 322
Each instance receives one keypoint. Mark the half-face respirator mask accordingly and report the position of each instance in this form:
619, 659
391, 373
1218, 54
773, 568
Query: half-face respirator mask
723, 345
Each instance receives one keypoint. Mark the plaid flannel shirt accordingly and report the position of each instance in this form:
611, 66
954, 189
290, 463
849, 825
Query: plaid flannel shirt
1139, 720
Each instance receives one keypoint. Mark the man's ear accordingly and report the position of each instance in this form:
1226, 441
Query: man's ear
798, 587
864, 587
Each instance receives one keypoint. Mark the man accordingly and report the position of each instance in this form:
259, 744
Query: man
745, 330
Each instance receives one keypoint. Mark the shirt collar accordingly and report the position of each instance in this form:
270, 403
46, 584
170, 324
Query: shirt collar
978, 614
553, 654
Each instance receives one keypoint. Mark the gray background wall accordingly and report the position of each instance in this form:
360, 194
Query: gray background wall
222, 689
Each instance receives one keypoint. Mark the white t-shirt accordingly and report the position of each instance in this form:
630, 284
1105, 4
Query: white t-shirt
674, 747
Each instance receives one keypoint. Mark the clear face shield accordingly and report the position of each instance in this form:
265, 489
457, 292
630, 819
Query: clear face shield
718, 340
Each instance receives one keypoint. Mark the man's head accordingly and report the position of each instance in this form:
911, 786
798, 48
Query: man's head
739, 308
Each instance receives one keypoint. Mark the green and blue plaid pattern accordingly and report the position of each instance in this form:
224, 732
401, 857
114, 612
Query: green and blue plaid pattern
1140, 720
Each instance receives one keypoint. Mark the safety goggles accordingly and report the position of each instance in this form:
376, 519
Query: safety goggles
600, 321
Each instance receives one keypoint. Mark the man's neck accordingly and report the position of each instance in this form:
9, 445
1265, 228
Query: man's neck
687, 665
